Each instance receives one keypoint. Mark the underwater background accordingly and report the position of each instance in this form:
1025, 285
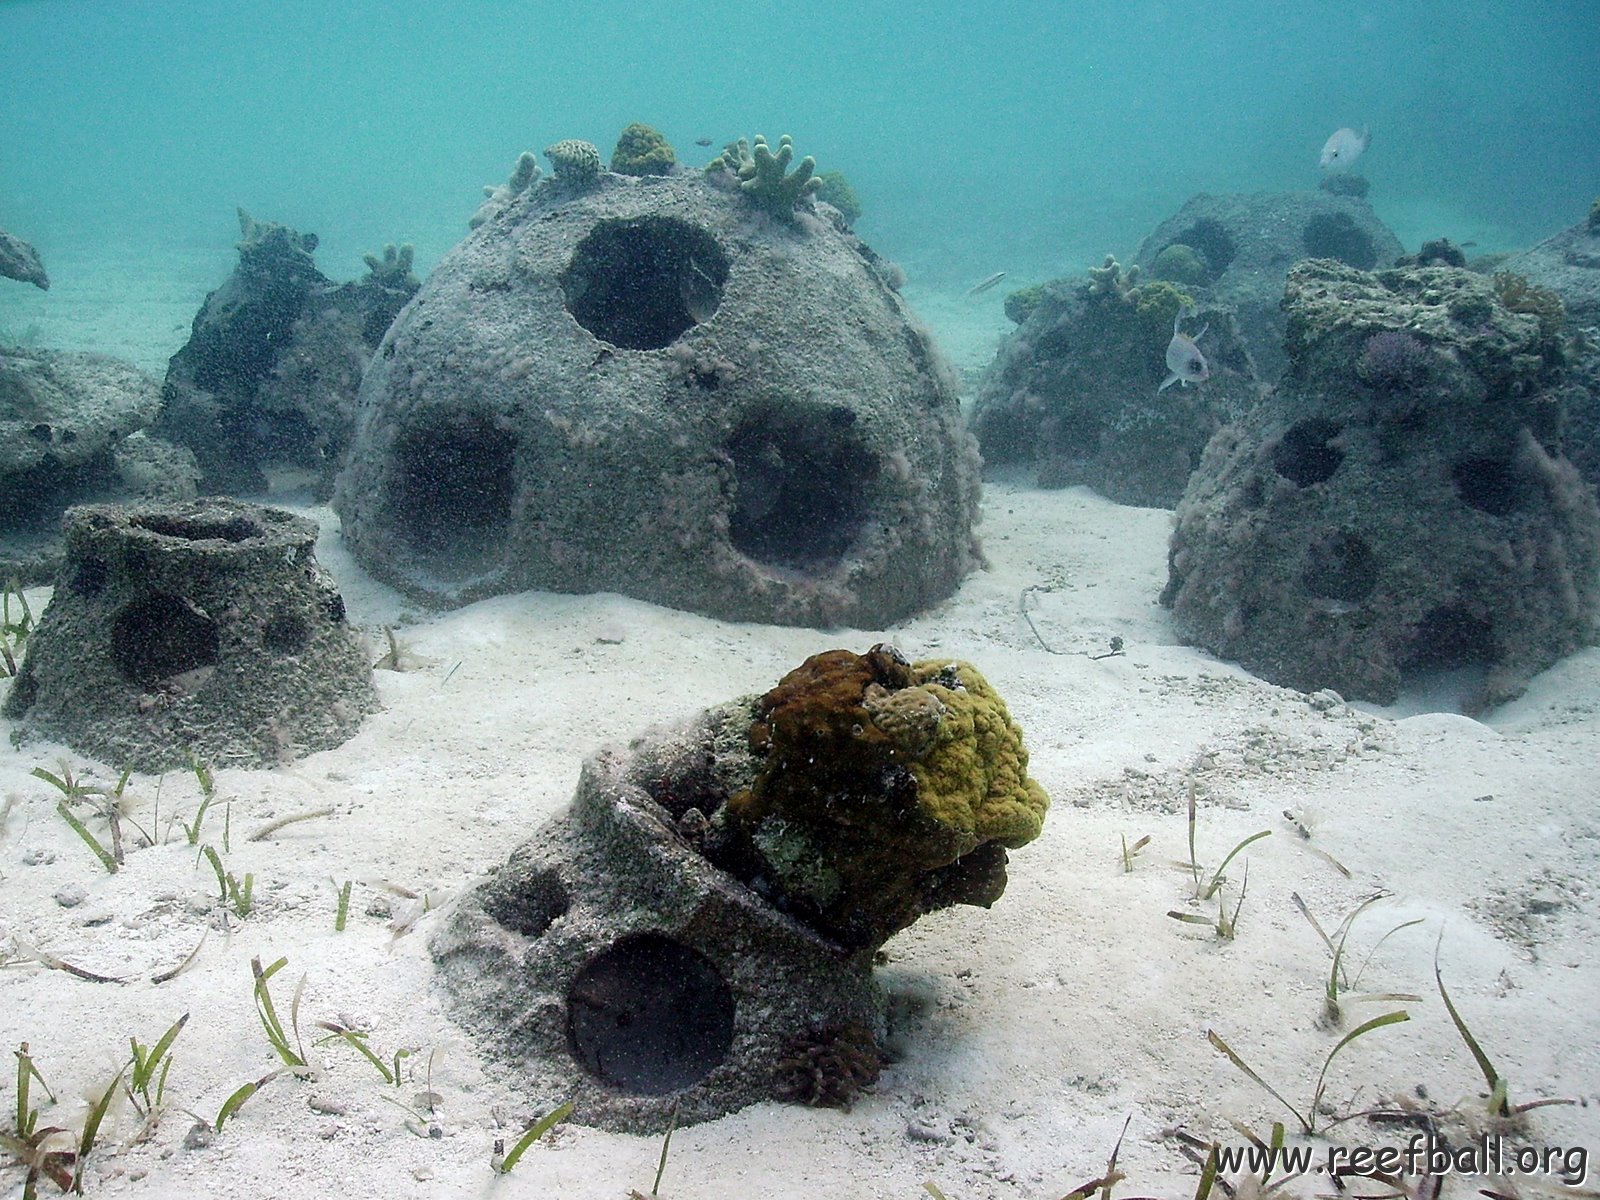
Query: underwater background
1029, 137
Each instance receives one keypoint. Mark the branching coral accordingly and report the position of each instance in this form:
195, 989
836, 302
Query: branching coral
496, 196
393, 270
1111, 279
764, 178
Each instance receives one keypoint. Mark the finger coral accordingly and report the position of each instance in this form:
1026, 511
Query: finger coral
764, 176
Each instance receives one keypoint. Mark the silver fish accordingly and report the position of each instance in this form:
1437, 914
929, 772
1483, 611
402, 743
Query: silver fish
1343, 148
983, 285
1185, 363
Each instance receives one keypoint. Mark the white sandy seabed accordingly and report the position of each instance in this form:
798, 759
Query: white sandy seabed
1033, 1030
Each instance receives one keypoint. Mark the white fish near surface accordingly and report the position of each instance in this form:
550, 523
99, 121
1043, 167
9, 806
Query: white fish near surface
1185, 363
1340, 151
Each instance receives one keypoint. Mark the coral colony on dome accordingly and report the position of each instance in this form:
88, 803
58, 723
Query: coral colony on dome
493, 685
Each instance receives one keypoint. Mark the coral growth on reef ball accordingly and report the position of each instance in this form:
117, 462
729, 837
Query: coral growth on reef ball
1394, 360
1181, 264
888, 789
642, 150
828, 1068
836, 190
574, 160
762, 174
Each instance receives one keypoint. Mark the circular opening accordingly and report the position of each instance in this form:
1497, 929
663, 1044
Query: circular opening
1448, 638
1336, 235
800, 483
286, 633
159, 637
1342, 567
1212, 241
641, 283
450, 492
533, 907
1304, 456
650, 1016
1490, 485
198, 528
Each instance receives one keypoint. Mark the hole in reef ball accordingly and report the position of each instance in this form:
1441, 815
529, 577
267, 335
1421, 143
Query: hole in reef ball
649, 1016
1340, 566
532, 906
1211, 239
286, 633
199, 529
800, 480
1336, 235
641, 283
1450, 637
1304, 456
450, 492
161, 636
1490, 485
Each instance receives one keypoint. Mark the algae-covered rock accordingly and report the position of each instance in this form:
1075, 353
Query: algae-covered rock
1244, 244
887, 789
68, 424
268, 377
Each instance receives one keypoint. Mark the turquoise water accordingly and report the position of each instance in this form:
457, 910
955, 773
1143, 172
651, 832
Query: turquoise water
1031, 137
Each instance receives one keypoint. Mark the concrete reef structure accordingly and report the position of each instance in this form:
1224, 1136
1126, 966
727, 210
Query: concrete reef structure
645, 385
1401, 505
695, 934
269, 374
20, 261
203, 629
72, 432
1073, 392
1238, 248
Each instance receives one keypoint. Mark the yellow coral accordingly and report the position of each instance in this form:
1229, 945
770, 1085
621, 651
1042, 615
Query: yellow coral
975, 777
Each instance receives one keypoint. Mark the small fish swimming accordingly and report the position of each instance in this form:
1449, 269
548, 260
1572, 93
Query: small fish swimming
983, 285
1185, 363
702, 141
1343, 148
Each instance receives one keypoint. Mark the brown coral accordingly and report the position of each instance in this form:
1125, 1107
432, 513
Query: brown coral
828, 1068
887, 790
